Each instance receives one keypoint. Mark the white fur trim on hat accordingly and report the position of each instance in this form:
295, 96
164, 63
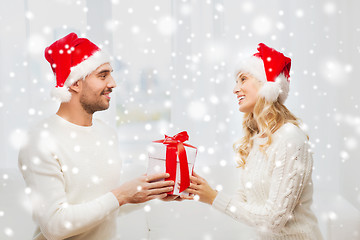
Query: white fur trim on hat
255, 67
78, 72
61, 93
284, 87
271, 91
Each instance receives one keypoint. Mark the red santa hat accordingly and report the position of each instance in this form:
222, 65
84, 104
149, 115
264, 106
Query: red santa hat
72, 58
273, 69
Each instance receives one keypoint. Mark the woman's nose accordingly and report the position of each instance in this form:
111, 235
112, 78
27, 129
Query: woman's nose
236, 89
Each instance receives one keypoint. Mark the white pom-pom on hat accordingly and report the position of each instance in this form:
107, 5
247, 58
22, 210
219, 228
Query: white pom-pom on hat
61, 93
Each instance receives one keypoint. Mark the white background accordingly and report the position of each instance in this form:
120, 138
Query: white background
174, 63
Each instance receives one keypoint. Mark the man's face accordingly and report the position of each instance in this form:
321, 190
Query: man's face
96, 87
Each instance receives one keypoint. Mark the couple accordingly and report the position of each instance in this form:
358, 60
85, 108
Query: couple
71, 162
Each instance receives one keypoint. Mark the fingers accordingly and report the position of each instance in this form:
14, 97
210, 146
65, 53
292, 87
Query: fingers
160, 184
179, 199
192, 191
159, 196
195, 174
172, 198
156, 177
158, 191
195, 180
186, 197
194, 186
198, 176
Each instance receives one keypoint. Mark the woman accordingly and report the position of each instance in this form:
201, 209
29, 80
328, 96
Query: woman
276, 189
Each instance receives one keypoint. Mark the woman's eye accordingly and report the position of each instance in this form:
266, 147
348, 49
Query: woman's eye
243, 79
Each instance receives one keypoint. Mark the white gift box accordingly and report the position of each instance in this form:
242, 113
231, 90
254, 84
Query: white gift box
157, 163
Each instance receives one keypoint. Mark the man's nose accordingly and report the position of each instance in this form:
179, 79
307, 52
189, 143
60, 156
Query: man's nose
112, 83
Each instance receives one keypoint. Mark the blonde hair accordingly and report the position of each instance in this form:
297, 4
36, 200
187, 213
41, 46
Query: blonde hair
266, 119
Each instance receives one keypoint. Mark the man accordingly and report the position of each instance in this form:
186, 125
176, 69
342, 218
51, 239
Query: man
71, 162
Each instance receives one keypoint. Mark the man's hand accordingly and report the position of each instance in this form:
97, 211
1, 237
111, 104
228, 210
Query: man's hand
143, 189
171, 198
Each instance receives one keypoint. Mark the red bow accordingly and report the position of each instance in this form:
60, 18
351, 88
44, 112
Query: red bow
174, 148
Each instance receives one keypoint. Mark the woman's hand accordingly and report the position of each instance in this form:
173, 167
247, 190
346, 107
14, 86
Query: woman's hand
200, 187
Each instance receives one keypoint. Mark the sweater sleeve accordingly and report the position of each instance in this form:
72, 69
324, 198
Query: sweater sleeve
56, 217
292, 169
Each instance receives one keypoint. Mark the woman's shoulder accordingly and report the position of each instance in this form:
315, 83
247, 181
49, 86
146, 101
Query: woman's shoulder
290, 133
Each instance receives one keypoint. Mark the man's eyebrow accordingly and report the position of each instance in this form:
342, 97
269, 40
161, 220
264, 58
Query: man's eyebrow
104, 71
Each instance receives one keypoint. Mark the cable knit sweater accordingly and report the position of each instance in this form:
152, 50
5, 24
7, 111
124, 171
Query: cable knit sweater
70, 171
276, 189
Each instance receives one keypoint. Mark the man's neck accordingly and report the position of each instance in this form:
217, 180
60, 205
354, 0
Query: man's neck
75, 115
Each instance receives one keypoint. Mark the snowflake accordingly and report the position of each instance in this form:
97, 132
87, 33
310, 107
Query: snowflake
9, 232
335, 72
332, 216
29, 15
196, 197
206, 169
135, 30
36, 44
147, 208
329, 8
299, 13
166, 25
223, 163
262, 25
197, 110
77, 148
185, 9
18, 139
247, 7
351, 143
211, 151
75, 170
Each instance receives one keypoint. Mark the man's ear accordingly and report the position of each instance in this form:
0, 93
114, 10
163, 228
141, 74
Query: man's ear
76, 86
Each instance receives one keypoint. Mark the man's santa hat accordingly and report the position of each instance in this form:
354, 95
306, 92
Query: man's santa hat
273, 69
72, 58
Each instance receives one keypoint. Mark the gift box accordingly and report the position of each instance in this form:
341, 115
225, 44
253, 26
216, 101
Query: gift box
173, 156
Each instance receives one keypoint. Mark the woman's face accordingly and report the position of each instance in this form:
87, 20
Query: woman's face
246, 90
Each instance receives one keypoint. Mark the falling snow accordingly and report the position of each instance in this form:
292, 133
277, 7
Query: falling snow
175, 66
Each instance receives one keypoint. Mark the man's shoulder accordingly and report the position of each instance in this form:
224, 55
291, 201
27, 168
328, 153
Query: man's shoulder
37, 137
42, 125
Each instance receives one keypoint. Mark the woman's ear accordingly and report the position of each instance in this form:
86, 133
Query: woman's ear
76, 86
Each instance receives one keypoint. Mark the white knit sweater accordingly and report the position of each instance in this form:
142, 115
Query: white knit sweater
70, 171
276, 189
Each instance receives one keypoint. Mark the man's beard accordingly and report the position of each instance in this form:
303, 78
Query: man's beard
92, 107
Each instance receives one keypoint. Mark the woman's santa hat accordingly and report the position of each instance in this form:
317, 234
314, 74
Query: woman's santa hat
72, 58
273, 69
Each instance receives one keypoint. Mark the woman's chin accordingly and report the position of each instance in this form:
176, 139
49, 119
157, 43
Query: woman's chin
244, 109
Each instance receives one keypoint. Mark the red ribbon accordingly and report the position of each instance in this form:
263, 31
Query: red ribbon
174, 148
